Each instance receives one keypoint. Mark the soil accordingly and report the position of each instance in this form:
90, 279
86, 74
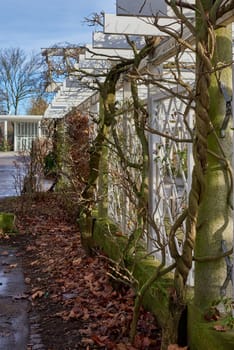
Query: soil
74, 302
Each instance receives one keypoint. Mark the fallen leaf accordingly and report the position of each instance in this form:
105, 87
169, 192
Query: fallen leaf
18, 254
20, 296
27, 280
220, 328
37, 294
87, 341
146, 342
72, 314
30, 248
100, 340
5, 253
79, 288
212, 314
119, 234
76, 262
12, 266
86, 331
121, 346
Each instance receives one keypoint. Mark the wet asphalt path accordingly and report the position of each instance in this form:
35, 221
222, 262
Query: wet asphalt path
8, 174
14, 317
14, 322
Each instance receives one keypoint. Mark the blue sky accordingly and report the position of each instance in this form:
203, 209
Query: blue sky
35, 24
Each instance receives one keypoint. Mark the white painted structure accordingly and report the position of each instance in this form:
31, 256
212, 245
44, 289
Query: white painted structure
26, 129
111, 54
69, 95
141, 8
146, 8
169, 182
136, 25
115, 41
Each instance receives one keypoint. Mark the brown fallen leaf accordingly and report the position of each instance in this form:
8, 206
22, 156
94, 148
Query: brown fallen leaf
5, 253
87, 341
79, 286
30, 248
86, 331
121, 346
12, 266
37, 294
18, 254
20, 296
212, 314
220, 328
100, 340
27, 280
85, 316
76, 262
119, 234
176, 347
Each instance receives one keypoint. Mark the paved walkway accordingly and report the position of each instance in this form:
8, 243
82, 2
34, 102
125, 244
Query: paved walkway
12, 170
14, 322
9, 175
18, 328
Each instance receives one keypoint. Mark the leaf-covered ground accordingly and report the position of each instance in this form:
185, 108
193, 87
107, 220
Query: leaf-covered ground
77, 305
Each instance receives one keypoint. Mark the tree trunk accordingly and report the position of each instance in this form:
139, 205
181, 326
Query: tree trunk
103, 170
170, 331
214, 214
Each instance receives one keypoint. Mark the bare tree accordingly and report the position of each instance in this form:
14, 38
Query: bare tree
20, 78
37, 106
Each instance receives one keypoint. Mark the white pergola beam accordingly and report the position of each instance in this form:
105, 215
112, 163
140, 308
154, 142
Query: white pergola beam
115, 41
167, 48
64, 105
226, 19
85, 63
111, 54
62, 51
97, 65
65, 100
136, 25
140, 7
71, 92
149, 8
55, 115
21, 118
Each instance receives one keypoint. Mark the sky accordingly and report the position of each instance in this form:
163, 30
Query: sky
35, 24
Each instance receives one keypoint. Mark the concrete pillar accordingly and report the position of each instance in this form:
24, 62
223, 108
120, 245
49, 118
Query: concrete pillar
15, 136
39, 129
5, 132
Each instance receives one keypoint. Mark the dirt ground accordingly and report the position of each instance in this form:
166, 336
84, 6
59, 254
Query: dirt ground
74, 303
